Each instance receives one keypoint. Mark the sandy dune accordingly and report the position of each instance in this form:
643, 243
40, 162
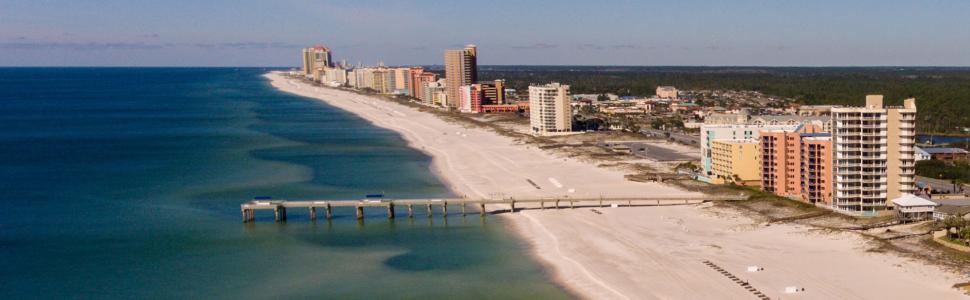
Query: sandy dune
641, 252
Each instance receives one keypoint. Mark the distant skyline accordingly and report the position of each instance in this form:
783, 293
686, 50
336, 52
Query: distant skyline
693, 33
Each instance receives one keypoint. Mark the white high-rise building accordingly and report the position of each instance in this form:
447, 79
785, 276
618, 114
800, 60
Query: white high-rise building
874, 158
549, 109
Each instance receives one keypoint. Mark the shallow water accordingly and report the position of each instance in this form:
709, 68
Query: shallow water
126, 183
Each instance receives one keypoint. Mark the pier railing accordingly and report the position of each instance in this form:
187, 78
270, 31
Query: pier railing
279, 207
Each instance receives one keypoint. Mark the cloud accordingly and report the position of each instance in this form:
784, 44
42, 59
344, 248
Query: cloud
626, 47
87, 46
150, 36
248, 45
536, 46
589, 46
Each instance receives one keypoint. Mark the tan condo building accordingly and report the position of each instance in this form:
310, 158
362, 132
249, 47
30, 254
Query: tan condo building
735, 161
549, 109
315, 59
874, 155
461, 69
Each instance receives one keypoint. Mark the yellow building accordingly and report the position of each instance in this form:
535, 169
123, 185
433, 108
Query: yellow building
730, 158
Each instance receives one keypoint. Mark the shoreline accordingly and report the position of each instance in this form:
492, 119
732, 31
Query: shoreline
617, 257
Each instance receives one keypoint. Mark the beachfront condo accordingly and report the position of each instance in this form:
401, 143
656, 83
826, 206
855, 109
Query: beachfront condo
735, 161
550, 110
711, 133
461, 69
797, 163
873, 155
315, 59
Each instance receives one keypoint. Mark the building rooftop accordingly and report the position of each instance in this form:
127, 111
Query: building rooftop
910, 200
944, 151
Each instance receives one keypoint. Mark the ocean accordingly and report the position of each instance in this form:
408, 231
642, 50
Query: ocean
126, 183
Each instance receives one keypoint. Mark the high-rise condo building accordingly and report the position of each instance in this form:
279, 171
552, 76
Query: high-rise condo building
314, 58
873, 155
549, 109
461, 68
796, 163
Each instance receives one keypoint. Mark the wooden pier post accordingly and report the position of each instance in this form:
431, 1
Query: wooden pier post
360, 212
571, 206
513, 205
542, 205
313, 213
280, 213
329, 211
444, 209
462, 209
390, 210
410, 210
557, 203
245, 215
481, 206
430, 212
601, 201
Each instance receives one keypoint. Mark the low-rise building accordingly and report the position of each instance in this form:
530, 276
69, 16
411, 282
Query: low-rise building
910, 208
710, 133
920, 155
947, 154
666, 92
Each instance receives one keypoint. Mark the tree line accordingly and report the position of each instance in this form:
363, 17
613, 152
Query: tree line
942, 94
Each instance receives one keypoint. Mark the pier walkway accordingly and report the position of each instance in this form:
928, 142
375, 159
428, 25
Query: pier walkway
279, 207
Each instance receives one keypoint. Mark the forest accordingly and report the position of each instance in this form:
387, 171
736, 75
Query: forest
942, 94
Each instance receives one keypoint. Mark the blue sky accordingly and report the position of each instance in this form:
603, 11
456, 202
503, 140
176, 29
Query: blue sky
270, 33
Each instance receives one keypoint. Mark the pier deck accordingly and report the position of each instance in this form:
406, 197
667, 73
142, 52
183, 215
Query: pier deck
279, 207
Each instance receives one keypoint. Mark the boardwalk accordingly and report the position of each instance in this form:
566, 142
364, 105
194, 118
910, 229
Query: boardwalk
279, 207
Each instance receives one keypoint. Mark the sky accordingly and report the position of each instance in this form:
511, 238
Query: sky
520, 32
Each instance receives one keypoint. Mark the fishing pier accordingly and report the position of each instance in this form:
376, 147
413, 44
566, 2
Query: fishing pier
280, 207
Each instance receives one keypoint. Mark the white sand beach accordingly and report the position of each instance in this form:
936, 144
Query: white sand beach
642, 252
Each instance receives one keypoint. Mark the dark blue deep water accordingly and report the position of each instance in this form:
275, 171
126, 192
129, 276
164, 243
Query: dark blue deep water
126, 183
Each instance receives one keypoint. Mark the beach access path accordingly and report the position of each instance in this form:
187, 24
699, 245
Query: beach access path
641, 252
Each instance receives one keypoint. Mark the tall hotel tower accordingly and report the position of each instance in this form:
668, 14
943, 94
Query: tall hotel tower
873, 155
549, 109
461, 68
317, 57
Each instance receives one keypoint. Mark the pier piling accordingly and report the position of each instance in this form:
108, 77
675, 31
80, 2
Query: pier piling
481, 207
390, 210
313, 213
444, 209
430, 212
360, 212
410, 210
329, 211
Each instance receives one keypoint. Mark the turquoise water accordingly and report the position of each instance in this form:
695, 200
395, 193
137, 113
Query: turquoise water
126, 183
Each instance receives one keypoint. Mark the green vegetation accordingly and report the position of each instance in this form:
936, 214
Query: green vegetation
955, 170
957, 230
942, 93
